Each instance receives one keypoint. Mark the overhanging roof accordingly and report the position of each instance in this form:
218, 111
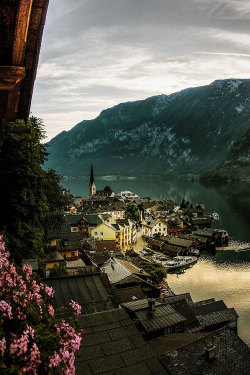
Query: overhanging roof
21, 28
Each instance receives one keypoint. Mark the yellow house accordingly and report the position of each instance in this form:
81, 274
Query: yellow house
122, 233
69, 254
64, 248
103, 232
53, 259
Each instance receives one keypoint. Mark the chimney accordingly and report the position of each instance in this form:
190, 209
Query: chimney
210, 352
151, 304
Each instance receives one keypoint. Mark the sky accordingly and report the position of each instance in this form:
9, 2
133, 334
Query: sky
98, 53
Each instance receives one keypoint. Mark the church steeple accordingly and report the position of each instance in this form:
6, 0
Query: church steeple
92, 188
91, 179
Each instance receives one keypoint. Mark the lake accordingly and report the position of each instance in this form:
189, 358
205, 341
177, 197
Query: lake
226, 275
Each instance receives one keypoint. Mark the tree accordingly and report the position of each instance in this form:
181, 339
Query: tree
32, 199
24, 206
132, 212
57, 201
157, 271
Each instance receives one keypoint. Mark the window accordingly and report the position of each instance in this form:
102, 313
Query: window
73, 254
101, 233
95, 233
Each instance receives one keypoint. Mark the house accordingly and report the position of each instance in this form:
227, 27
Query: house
154, 318
124, 275
174, 229
91, 290
213, 314
207, 315
67, 244
78, 201
155, 244
221, 352
201, 222
72, 221
151, 227
130, 294
121, 232
218, 237
102, 245
113, 345
172, 250
128, 195
184, 244
53, 259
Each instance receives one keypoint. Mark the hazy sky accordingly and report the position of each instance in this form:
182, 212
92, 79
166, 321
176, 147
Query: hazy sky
98, 53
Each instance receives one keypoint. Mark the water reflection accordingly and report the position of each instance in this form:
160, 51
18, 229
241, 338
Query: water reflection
229, 282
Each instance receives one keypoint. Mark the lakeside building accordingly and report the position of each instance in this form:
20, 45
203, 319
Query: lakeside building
152, 227
121, 232
128, 195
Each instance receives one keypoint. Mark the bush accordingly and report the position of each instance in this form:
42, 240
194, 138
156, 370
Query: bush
32, 339
157, 271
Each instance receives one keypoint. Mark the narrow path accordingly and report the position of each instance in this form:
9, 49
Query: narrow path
140, 244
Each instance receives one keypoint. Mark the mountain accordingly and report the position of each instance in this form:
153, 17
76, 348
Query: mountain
189, 131
236, 164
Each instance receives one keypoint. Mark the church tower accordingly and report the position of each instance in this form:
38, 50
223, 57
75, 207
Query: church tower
92, 188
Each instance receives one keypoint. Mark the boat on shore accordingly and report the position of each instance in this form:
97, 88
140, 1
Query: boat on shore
180, 262
215, 216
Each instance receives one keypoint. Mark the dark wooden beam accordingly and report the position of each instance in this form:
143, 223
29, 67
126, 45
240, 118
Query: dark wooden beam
10, 76
18, 54
21, 31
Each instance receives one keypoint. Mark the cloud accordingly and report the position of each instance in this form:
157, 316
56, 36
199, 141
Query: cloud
96, 54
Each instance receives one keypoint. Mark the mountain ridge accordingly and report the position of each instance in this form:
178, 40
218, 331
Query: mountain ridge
189, 131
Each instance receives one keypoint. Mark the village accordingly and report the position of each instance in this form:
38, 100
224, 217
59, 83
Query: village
112, 255
85, 284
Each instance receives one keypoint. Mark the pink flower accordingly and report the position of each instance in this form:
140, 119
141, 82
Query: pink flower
6, 309
27, 269
49, 291
22, 297
75, 306
51, 310
2, 346
54, 360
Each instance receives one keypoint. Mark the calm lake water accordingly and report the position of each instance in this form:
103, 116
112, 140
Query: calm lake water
226, 275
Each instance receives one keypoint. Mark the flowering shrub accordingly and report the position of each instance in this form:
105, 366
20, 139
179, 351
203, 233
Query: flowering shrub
32, 339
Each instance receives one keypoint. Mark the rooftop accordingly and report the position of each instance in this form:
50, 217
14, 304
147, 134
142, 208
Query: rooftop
91, 291
130, 294
113, 346
164, 316
232, 356
115, 270
137, 305
133, 269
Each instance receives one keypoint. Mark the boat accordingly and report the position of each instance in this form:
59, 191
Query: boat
180, 262
215, 216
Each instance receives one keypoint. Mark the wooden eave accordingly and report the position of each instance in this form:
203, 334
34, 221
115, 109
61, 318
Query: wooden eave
21, 28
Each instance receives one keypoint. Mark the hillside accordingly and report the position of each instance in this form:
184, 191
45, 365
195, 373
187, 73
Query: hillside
186, 132
236, 164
